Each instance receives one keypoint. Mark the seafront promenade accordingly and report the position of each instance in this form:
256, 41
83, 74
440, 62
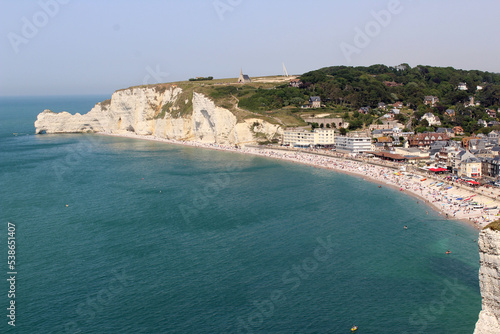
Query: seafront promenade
450, 199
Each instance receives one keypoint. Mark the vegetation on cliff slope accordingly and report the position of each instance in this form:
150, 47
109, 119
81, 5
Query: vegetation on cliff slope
367, 86
343, 90
495, 226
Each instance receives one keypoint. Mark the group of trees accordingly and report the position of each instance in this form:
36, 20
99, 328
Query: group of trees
364, 86
272, 99
467, 118
357, 120
201, 79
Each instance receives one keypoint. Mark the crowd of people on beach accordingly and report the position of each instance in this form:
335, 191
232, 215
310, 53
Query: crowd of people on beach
449, 203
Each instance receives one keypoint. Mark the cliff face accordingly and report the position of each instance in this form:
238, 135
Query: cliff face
163, 113
489, 281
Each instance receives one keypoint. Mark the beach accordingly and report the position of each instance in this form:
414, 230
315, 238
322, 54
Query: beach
451, 200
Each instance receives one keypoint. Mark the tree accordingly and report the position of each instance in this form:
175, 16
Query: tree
490, 95
414, 122
424, 123
400, 118
355, 124
421, 129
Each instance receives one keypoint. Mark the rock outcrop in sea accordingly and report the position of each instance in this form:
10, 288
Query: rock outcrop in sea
489, 280
164, 112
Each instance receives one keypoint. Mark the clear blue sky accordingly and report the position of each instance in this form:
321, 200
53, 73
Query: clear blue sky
99, 46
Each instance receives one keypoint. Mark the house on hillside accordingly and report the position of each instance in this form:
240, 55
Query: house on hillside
458, 130
471, 102
315, 102
482, 123
492, 113
392, 84
450, 113
389, 116
295, 83
382, 105
431, 119
244, 78
364, 110
431, 100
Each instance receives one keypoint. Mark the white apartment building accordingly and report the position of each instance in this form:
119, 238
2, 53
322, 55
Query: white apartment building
309, 138
354, 144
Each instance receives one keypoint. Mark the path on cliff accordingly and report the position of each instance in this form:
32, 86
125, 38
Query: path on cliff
256, 114
408, 124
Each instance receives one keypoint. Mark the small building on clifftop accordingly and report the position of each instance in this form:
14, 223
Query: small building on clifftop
244, 78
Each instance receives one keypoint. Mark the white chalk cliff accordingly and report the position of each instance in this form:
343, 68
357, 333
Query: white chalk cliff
164, 113
489, 282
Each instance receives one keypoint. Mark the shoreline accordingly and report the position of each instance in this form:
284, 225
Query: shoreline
443, 201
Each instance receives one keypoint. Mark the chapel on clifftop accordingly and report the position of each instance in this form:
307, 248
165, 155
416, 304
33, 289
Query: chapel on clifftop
244, 78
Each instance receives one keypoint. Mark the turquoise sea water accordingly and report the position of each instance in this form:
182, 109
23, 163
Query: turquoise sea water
157, 238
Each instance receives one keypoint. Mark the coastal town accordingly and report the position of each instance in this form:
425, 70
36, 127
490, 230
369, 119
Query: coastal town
474, 158
426, 133
456, 172
417, 147
437, 120
442, 151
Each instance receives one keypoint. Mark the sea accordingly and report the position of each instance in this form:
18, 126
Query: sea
120, 235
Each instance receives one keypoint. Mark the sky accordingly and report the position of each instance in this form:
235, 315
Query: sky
82, 47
